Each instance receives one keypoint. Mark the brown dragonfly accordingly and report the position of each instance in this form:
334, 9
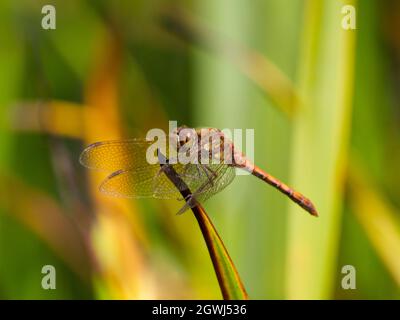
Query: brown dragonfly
205, 160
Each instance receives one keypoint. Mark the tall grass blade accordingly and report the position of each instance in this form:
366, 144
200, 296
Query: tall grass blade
320, 139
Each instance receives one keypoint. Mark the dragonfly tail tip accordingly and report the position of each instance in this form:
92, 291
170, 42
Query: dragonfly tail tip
313, 211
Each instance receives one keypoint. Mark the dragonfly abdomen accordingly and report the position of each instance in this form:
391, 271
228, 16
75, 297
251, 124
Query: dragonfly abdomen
295, 196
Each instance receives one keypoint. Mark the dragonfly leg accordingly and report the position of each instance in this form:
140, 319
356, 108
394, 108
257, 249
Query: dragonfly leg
190, 203
185, 198
183, 209
163, 168
198, 171
210, 170
210, 180
213, 173
191, 199
185, 172
161, 171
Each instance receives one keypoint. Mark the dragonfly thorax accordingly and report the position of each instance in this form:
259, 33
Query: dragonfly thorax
205, 145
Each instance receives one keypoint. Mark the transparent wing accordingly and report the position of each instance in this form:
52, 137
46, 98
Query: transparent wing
116, 155
191, 175
224, 176
135, 177
130, 183
152, 182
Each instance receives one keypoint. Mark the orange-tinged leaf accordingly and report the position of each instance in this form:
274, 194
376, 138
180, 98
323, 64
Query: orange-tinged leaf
61, 118
118, 236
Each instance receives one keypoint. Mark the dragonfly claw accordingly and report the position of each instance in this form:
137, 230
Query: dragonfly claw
190, 202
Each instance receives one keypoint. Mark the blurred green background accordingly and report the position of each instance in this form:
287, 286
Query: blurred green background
324, 103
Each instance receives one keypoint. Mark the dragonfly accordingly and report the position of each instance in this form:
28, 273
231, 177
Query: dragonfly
205, 160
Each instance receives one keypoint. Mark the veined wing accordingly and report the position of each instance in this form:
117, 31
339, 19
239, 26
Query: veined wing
200, 179
153, 182
131, 183
224, 175
135, 177
116, 155
191, 175
132, 174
